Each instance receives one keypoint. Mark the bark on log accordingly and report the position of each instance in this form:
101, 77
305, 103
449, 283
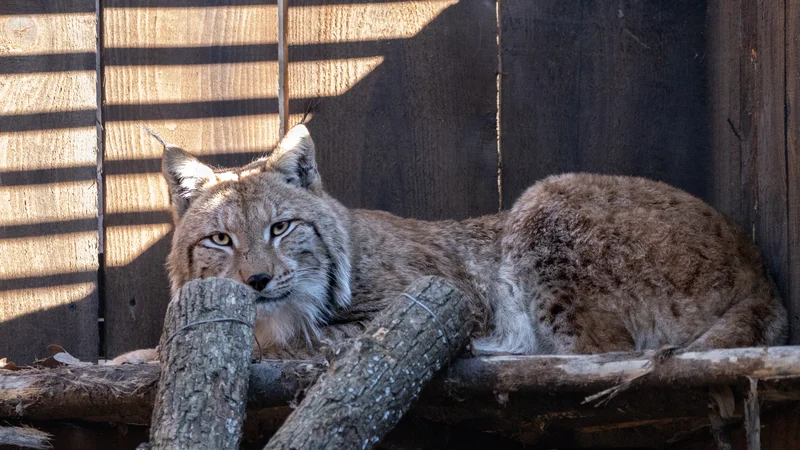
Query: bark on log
24, 437
125, 393
206, 349
368, 389
588, 373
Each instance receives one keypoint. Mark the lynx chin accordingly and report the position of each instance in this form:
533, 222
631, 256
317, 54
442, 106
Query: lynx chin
580, 264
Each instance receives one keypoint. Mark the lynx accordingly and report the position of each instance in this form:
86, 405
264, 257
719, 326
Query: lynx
580, 264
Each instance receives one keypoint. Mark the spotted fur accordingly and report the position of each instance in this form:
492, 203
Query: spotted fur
580, 264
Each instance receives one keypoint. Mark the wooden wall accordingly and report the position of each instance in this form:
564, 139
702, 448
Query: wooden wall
754, 178
48, 182
402, 98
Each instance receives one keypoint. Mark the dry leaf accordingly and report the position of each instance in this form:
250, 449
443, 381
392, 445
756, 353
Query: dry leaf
4, 364
55, 348
66, 358
48, 362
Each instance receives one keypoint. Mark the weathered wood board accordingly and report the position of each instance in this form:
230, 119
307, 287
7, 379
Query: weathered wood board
403, 102
764, 136
724, 85
793, 160
204, 76
48, 183
752, 142
608, 87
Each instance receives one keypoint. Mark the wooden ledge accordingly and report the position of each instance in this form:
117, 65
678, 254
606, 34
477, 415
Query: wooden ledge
125, 393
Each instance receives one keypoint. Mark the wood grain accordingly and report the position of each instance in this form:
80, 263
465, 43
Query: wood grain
793, 161
763, 136
724, 122
753, 156
609, 87
772, 225
48, 227
415, 135
204, 78
202, 391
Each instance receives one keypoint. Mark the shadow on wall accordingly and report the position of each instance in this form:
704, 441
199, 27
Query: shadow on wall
416, 137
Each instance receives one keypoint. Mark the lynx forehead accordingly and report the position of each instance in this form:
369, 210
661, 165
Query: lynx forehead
267, 225
581, 263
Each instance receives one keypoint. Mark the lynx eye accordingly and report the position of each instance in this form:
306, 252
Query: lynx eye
279, 228
221, 239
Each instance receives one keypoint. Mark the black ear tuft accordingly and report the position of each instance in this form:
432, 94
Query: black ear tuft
294, 157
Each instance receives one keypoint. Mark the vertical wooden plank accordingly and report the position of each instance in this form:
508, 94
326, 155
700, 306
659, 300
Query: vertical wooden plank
609, 87
541, 54
406, 120
793, 161
283, 63
204, 77
771, 229
751, 54
48, 192
724, 122
763, 135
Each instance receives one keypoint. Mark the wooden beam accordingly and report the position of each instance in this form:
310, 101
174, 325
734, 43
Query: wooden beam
48, 243
283, 65
752, 416
125, 393
588, 373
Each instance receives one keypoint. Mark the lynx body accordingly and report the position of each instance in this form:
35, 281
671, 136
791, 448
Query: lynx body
580, 264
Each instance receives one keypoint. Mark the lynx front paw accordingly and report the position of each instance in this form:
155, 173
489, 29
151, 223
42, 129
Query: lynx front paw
143, 356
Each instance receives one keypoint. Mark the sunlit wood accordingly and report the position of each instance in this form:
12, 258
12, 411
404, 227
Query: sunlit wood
189, 27
31, 204
34, 300
124, 244
47, 92
33, 255
36, 34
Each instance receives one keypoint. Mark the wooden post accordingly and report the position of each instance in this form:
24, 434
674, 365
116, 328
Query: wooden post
752, 416
206, 350
368, 389
283, 66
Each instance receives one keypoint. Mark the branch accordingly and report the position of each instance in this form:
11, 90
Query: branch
125, 393
371, 386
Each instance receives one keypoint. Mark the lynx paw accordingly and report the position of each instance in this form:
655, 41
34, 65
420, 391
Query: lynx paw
143, 356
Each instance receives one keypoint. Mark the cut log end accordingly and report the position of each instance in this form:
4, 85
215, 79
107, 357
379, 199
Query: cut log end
205, 349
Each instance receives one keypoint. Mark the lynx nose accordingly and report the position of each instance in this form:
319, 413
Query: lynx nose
259, 281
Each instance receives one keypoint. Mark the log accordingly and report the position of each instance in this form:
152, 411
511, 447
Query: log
206, 349
589, 373
371, 386
752, 417
125, 393
24, 437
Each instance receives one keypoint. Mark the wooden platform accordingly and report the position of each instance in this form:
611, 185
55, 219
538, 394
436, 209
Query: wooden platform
506, 401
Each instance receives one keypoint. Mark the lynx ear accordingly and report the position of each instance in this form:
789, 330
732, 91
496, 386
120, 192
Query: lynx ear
186, 177
294, 158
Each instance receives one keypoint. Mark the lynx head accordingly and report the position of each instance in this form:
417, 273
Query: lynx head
268, 224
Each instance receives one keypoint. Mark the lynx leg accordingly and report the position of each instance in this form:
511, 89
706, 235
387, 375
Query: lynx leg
572, 330
513, 330
143, 356
752, 322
